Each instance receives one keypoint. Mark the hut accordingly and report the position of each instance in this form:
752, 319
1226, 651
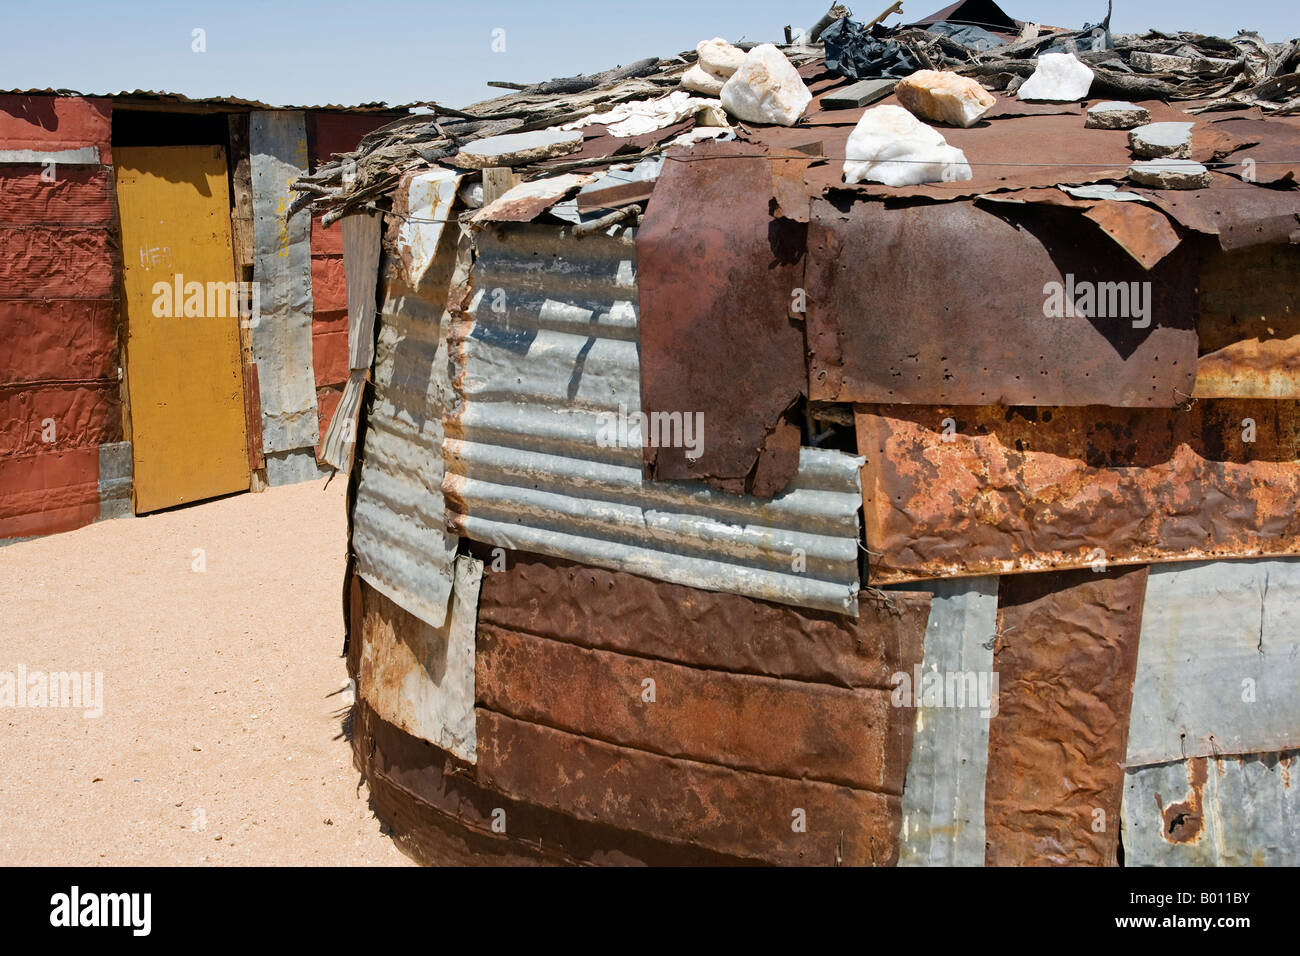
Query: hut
164, 340
710, 507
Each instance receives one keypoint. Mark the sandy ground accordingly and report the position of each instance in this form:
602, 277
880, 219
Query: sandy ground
221, 739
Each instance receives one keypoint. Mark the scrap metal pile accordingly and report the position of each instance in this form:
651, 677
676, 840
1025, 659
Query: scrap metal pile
652, 341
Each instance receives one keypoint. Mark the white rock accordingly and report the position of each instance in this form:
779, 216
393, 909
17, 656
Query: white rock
1162, 141
719, 57
645, 116
944, 97
1116, 115
701, 80
1059, 77
766, 89
891, 146
1170, 174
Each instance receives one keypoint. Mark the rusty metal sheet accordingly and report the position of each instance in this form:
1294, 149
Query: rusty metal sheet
721, 323
57, 262
1060, 149
547, 374
794, 729
78, 196
882, 328
617, 611
282, 345
49, 493
966, 490
443, 816
1065, 655
1214, 811
419, 677
1240, 216
754, 816
53, 340
943, 798
1144, 233
1219, 664
1273, 156
1248, 321
56, 123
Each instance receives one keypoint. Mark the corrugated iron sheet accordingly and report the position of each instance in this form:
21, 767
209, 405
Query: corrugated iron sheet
1219, 666
546, 361
1066, 650
943, 798
421, 678
44, 122
282, 341
1215, 811
399, 531
1028, 489
720, 322
60, 397
903, 306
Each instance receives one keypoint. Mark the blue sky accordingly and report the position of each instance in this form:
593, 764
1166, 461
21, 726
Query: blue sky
312, 53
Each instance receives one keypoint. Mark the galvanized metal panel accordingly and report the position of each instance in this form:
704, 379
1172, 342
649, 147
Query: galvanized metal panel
423, 204
86, 155
361, 248
981, 490
943, 797
282, 345
546, 360
398, 527
1219, 664
419, 677
1215, 811
1065, 654
114, 480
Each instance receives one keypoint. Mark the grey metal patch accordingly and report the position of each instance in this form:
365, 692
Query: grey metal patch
1214, 811
399, 530
943, 796
1219, 661
115, 476
542, 455
292, 467
281, 334
420, 677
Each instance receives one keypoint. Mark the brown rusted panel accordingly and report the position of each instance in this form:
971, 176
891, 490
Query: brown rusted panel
1144, 233
616, 611
717, 277
1032, 489
904, 307
76, 196
1065, 657
441, 816
253, 417
1241, 216
1248, 322
788, 728
750, 815
56, 123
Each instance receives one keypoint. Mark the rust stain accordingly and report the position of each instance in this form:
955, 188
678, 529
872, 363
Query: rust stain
1043, 312
982, 490
725, 341
1184, 821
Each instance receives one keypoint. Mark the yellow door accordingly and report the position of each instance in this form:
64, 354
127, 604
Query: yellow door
183, 370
